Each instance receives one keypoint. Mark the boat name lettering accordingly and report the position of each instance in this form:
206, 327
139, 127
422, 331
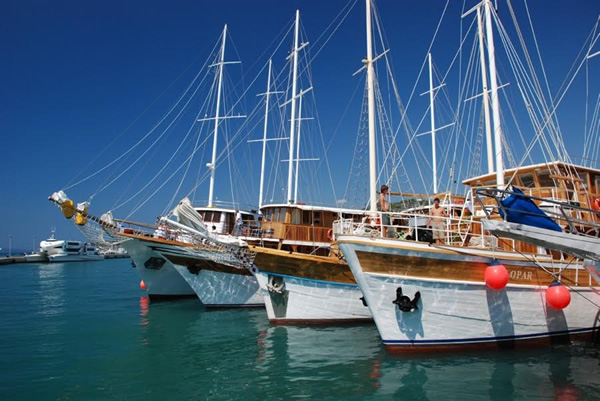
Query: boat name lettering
518, 274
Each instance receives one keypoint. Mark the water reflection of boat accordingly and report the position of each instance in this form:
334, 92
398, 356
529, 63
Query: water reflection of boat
321, 354
51, 299
557, 375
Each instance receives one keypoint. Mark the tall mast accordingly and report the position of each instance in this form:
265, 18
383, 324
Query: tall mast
494, 92
486, 94
371, 104
432, 114
213, 164
293, 106
264, 141
298, 151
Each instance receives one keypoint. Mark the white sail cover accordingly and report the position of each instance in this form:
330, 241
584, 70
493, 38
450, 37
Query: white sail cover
188, 216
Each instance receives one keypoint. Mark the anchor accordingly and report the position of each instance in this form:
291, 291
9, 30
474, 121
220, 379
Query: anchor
276, 285
404, 303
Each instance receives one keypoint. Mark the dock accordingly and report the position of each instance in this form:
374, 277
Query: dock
9, 260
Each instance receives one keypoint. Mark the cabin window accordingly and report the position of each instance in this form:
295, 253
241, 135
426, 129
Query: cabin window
584, 177
282, 215
544, 179
296, 217
228, 222
306, 217
275, 215
212, 217
527, 180
597, 179
317, 218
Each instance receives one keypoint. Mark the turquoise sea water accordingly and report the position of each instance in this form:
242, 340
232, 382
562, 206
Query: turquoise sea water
85, 331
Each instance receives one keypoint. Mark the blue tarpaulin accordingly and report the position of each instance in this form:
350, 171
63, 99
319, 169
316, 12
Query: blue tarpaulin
521, 209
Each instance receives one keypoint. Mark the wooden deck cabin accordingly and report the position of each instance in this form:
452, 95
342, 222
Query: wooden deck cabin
302, 228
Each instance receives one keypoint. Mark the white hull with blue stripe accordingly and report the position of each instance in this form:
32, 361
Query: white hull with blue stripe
308, 289
297, 300
455, 308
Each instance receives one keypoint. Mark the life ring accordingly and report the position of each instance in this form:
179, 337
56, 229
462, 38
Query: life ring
330, 234
596, 204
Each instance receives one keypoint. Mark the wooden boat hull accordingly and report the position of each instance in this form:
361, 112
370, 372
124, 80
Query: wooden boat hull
304, 289
456, 309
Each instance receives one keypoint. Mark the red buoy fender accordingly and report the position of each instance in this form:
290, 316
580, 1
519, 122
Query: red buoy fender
558, 295
496, 276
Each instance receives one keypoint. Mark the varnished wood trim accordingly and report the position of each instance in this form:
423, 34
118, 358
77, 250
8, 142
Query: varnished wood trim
442, 249
460, 270
324, 268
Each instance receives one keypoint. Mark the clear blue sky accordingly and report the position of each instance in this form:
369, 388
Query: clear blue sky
74, 75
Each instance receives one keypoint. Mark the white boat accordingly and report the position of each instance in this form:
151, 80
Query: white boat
57, 250
215, 281
427, 297
304, 280
160, 275
207, 265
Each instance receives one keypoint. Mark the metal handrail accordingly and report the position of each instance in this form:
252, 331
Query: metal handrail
374, 227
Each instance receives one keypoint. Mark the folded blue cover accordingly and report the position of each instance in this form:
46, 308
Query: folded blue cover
521, 209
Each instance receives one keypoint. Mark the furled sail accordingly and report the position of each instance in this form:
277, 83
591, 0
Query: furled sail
188, 216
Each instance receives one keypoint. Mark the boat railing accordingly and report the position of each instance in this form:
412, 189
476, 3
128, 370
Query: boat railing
159, 230
570, 215
464, 231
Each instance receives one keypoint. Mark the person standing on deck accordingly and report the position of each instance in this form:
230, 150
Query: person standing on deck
237, 229
384, 207
436, 221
